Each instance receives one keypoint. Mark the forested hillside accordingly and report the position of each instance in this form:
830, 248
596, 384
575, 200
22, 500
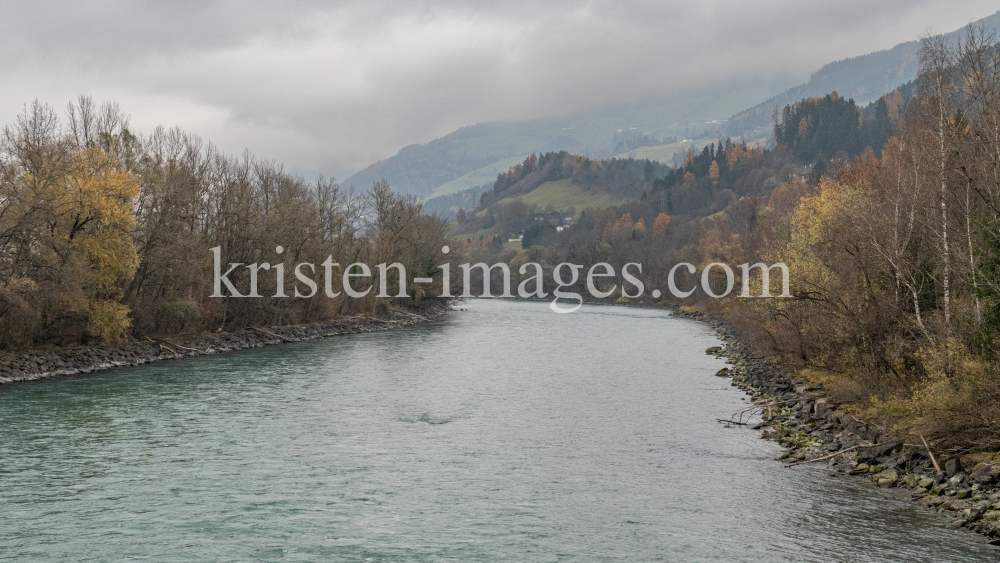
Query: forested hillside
811, 132
566, 182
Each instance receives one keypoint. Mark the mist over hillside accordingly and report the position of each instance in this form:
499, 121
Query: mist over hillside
451, 171
863, 79
420, 169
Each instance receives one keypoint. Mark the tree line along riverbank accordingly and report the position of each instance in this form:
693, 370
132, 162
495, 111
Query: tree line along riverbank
105, 233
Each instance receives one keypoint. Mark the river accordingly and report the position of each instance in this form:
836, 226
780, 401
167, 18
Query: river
498, 432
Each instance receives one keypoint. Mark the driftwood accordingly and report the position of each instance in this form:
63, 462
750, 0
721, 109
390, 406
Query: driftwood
834, 454
731, 421
179, 346
174, 352
285, 338
748, 413
930, 453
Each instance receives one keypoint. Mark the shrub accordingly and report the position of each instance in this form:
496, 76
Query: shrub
108, 322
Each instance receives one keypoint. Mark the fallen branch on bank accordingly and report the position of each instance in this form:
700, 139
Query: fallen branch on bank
930, 453
162, 347
731, 421
747, 413
179, 346
285, 338
834, 454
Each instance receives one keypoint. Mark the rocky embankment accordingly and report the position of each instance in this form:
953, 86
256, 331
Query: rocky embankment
798, 415
56, 362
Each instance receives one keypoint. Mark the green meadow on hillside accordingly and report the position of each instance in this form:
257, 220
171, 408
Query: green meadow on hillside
564, 194
664, 153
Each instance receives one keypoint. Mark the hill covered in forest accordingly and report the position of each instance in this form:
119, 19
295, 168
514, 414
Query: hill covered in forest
556, 187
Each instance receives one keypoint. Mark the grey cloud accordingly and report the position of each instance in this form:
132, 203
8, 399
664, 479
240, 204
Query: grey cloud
328, 88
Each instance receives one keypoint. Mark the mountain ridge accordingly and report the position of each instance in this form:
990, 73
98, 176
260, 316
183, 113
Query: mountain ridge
420, 168
863, 78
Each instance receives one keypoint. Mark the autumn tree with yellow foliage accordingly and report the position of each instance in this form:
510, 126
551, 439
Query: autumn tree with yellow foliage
66, 234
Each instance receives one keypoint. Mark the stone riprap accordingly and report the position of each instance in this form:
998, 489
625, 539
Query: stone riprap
799, 415
67, 361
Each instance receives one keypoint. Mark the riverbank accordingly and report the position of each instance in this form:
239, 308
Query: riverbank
57, 362
800, 416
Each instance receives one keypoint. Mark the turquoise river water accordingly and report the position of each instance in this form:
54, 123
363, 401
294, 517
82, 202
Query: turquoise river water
502, 432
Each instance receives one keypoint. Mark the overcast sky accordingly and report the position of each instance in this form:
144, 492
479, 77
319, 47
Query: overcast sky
330, 87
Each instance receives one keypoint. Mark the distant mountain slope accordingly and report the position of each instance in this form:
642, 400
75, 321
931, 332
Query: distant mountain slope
864, 78
421, 169
447, 205
485, 175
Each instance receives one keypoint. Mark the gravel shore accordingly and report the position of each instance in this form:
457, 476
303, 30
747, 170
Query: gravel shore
799, 415
56, 362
